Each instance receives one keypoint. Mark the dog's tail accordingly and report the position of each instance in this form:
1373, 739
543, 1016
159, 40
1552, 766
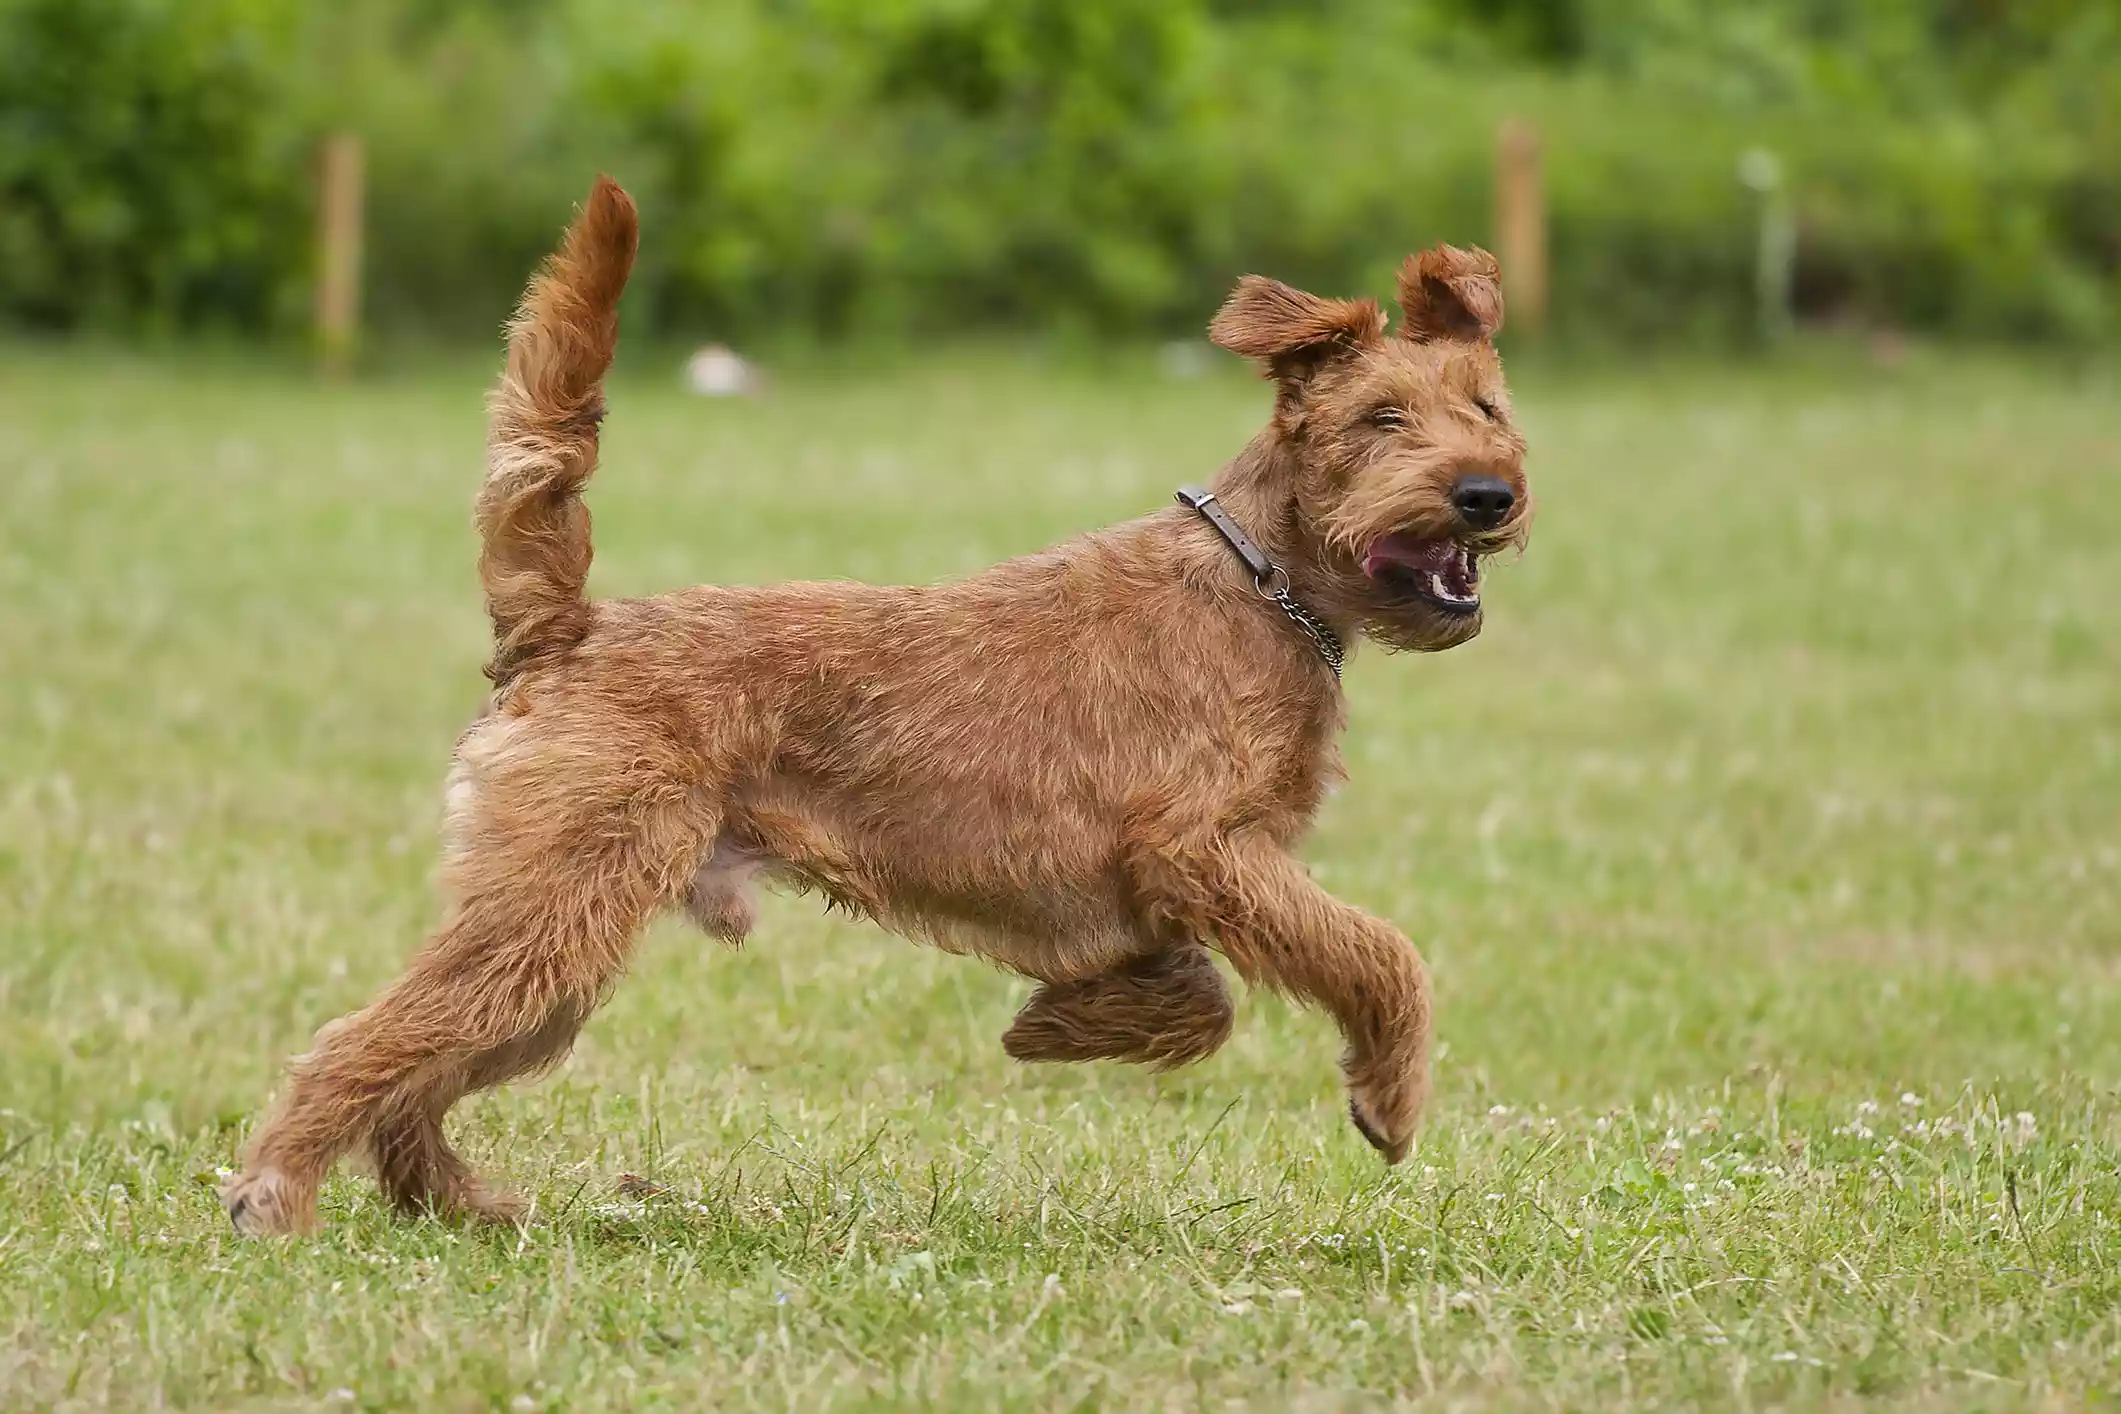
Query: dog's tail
541, 442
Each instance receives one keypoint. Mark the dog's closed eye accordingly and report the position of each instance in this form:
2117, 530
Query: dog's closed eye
1488, 409
1389, 416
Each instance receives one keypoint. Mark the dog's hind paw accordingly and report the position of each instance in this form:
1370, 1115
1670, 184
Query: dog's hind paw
260, 1204
479, 1203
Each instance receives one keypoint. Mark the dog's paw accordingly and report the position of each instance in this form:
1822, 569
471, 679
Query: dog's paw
1386, 1095
480, 1204
1393, 1150
262, 1204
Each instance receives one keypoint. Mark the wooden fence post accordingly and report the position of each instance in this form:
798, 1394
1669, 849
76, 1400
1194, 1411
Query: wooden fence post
1521, 227
1775, 256
338, 289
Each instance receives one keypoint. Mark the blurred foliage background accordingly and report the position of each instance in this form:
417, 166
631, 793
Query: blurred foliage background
903, 168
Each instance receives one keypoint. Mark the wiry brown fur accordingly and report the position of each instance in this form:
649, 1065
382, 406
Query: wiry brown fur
542, 439
1088, 765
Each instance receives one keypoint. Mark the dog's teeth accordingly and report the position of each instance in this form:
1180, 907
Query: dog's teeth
1436, 586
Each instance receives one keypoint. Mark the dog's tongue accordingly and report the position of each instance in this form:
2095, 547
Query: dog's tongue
1420, 556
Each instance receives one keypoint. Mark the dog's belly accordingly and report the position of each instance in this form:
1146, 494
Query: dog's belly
1063, 946
1029, 925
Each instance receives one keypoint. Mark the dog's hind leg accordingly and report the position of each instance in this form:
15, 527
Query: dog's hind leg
506, 977
1246, 896
1165, 1009
550, 895
418, 1170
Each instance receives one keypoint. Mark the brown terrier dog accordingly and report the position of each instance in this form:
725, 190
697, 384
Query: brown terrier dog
1088, 765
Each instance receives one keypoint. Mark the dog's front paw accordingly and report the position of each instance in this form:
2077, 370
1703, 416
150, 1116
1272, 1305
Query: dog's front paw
262, 1203
1393, 1149
1385, 1102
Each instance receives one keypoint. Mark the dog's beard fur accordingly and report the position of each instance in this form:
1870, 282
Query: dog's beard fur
1401, 495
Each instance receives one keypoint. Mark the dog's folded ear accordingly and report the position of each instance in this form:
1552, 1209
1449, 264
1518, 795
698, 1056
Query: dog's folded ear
1292, 332
1448, 293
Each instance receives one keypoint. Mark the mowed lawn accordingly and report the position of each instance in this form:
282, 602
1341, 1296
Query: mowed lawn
1766, 850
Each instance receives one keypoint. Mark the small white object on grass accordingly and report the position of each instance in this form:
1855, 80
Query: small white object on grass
718, 371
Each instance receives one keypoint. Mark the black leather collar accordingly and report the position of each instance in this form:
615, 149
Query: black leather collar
1270, 579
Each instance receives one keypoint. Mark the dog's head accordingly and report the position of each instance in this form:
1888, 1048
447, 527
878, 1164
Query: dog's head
1404, 466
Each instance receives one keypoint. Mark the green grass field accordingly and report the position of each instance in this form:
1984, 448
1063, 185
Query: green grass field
1766, 849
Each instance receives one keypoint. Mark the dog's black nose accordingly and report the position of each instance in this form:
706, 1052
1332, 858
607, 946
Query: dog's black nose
1484, 501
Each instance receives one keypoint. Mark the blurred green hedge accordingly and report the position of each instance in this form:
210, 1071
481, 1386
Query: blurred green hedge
907, 167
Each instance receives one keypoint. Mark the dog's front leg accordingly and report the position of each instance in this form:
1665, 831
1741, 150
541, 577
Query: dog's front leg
1246, 896
1168, 1008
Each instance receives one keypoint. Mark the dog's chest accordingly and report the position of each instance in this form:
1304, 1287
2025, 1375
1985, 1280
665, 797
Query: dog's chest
1307, 766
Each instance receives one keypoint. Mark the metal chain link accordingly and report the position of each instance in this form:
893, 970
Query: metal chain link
1315, 628
1268, 578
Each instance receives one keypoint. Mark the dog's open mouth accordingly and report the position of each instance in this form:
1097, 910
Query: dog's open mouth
1442, 572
